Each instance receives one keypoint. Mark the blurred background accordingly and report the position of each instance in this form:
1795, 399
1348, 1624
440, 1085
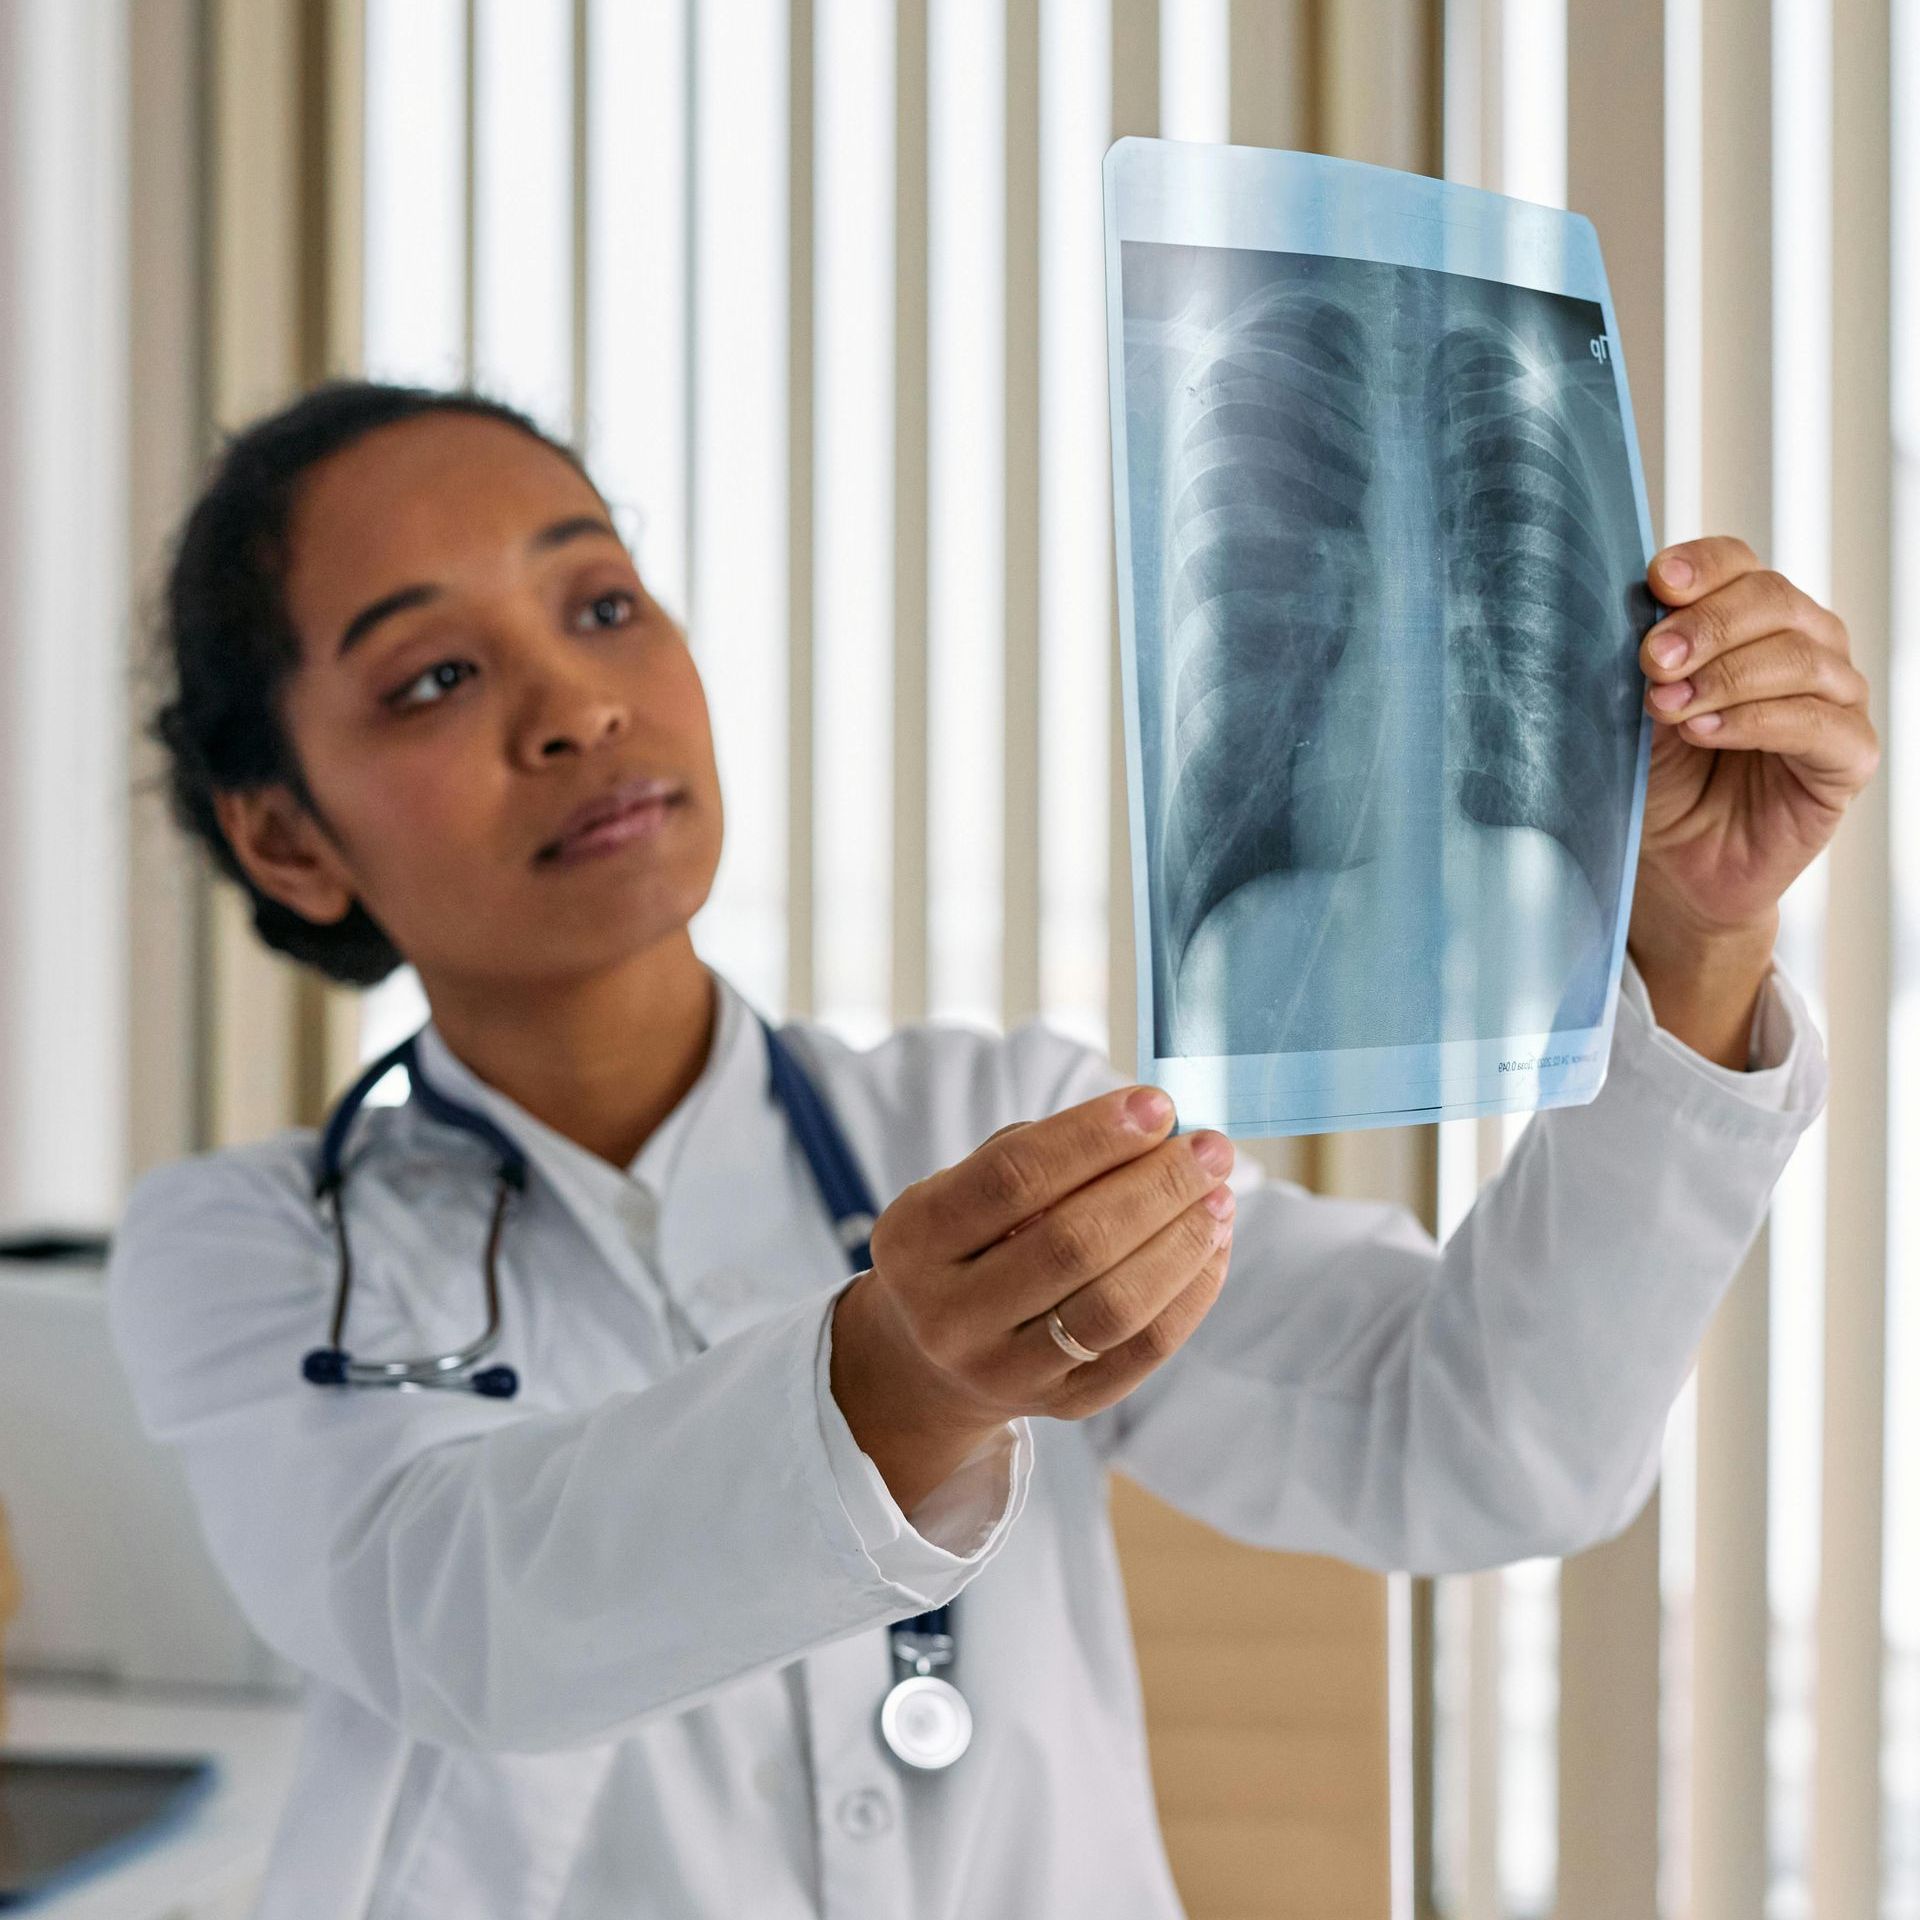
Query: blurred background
816, 288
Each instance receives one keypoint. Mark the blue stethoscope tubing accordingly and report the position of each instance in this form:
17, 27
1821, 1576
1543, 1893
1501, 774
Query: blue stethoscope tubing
923, 1718
332, 1365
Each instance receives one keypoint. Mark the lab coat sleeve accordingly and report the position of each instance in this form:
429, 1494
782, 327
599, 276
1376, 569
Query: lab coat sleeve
479, 1573
959, 1520
1359, 1391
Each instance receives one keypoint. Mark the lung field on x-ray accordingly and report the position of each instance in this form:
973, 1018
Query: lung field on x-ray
1388, 592
1267, 536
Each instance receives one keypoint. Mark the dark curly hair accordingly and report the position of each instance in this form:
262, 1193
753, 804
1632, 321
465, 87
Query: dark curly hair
225, 645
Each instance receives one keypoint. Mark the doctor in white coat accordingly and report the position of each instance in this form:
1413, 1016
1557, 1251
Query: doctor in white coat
616, 1645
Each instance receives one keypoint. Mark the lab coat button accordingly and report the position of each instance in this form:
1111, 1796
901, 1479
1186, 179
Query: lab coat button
865, 1813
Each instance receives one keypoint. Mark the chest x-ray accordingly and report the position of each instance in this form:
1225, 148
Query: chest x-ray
1383, 541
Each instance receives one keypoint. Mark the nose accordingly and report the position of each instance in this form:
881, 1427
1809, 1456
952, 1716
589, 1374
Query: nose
567, 708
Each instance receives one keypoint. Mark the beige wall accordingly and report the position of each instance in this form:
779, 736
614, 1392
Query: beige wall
1265, 1679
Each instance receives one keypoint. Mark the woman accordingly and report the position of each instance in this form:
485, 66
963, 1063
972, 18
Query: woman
617, 1644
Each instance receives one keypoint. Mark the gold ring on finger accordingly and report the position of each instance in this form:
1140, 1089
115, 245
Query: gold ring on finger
1066, 1342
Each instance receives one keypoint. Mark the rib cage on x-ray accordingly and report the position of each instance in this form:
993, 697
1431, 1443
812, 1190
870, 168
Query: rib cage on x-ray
1278, 540
1271, 577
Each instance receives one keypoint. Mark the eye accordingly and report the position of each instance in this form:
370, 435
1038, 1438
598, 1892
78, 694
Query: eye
613, 597
444, 675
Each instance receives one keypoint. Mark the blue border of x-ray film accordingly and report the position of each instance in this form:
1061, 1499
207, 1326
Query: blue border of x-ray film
1185, 194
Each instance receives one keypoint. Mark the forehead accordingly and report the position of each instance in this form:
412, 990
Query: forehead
437, 498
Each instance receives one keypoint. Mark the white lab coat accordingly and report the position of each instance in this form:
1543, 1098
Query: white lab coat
617, 1646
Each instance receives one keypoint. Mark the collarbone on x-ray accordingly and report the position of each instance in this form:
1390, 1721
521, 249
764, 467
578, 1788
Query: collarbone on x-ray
1399, 703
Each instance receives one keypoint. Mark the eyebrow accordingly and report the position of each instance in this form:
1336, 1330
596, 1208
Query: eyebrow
575, 527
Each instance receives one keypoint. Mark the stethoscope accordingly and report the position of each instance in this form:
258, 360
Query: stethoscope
923, 1719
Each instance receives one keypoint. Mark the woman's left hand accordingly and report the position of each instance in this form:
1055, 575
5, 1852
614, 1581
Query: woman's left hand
1761, 740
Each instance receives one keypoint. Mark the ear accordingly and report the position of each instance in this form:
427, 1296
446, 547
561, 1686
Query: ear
280, 845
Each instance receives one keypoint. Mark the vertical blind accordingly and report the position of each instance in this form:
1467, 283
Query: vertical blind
815, 287
63, 607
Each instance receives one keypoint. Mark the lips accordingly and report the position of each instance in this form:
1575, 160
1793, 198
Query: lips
619, 803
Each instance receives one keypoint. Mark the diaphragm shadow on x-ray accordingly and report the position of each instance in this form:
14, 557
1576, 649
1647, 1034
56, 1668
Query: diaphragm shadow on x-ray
1384, 543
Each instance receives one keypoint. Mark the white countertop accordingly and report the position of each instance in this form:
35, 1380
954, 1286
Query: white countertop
215, 1856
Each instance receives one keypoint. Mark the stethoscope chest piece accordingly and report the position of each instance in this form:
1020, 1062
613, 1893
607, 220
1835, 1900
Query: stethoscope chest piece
925, 1720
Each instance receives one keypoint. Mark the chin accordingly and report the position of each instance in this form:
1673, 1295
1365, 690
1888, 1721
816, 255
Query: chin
622, 922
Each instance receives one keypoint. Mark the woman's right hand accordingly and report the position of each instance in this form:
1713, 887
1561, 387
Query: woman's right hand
1097, 1211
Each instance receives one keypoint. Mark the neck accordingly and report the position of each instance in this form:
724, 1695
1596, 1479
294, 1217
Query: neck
602, 1060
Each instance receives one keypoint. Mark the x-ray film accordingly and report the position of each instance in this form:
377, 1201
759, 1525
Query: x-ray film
1383, 538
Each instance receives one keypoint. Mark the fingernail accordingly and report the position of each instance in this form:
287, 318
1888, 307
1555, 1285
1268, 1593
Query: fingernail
1704, 722
1677, 570
1672, 699
1214, 1151
1670, 649
1220, 1203
1148, 1108
1223, 1232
